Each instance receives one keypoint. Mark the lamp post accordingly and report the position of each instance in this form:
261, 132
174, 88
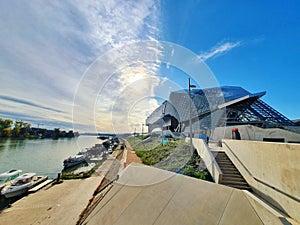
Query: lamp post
190, 121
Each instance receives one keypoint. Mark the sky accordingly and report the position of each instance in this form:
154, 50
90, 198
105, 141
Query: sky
100, 66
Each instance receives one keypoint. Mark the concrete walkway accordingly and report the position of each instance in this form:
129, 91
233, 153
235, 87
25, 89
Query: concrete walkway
147, 195
60, 204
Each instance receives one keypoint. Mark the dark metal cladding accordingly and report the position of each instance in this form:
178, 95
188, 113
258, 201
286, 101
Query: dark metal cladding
212, 107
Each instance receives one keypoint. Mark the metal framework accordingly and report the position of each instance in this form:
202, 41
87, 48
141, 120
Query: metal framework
214, 107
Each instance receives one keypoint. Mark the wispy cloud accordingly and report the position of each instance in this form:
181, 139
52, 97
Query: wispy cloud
219, 49
45, 48
29, 103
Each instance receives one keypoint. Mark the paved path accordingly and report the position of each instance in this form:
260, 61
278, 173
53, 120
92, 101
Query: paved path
60, 204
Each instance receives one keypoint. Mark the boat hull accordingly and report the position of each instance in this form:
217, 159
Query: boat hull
22, 189
16, 193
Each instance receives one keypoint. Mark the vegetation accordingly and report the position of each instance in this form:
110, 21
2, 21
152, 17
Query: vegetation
21, 129
139, 144
173, 156
67, 176
156, 154
194, 169
143, 136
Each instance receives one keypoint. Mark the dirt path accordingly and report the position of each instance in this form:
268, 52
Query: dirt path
131, 156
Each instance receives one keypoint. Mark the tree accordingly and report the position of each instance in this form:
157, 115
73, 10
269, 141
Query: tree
5, 127
63, 134
6, 132
56, 133
70, 134
21, 129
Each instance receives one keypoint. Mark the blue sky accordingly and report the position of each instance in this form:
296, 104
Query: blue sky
265, 44
47, 51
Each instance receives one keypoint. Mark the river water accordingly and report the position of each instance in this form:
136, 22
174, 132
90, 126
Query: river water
41, 156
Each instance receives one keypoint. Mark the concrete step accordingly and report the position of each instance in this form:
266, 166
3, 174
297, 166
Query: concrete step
227, 166
220, 154
232, 175
233, 179
228, 169
234, 182
242, 187
221, 158
225, 162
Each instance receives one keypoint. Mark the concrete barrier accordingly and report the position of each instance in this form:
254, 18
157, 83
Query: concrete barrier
249, 132
208, 158
272, 170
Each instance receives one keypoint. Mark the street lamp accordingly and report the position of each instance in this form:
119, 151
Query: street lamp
190, 122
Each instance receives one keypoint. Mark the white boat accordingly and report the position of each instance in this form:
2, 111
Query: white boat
22, 184
7, 176
72, 161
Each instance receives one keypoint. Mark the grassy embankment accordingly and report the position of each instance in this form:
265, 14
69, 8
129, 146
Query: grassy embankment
173, 156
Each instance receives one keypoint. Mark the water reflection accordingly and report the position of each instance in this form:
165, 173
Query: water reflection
41, 156
16, 143
3, 143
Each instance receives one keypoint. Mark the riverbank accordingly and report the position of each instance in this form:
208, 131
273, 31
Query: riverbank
64, 203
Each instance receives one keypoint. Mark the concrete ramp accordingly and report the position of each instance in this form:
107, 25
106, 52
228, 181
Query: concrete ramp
175, 199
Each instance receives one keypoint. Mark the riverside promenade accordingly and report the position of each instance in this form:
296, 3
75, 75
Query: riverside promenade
140, 195
57, 204
63, 203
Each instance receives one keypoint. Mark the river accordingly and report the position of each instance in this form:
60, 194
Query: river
41, 156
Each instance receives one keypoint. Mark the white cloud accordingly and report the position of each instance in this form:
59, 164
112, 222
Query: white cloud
45, 47
219, 49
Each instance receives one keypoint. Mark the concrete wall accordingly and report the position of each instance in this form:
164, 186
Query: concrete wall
276, 164
208, 158
254, 133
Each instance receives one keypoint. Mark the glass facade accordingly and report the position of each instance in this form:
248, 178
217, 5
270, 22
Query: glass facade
214, 107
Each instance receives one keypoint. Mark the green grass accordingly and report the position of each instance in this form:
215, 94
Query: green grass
174, 156
156, 154
139, 144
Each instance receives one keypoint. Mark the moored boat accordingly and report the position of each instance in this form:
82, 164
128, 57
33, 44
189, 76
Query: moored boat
22, 184
73, 161
102, 137
7, 176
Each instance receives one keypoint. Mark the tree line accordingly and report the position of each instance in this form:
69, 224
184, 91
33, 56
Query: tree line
20, 129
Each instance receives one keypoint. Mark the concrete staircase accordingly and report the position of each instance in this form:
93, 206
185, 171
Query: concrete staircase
231, 176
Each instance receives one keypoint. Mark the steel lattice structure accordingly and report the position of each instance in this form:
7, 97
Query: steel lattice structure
212, 107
